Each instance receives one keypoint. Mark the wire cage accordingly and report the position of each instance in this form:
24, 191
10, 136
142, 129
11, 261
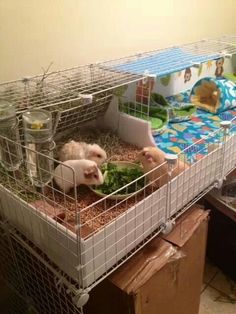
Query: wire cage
161, 62
76, 95
12, 303
88, 232
87, 235
11, 300
37, 285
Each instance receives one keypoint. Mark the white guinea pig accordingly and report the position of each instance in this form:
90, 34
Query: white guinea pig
80, 150
85, 172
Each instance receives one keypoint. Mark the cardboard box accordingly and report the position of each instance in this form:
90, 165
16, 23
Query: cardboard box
164, 277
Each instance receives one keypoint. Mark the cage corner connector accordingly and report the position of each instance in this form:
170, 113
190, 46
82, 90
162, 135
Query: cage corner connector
26, 79
225, 124
171, 158
147, 75
226, 55
88, 98
197, 65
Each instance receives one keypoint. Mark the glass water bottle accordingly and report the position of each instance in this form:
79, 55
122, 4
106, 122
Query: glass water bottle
10, 149
38, 134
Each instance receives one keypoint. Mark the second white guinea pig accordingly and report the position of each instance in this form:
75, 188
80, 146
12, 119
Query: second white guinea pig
84, 172
80, 150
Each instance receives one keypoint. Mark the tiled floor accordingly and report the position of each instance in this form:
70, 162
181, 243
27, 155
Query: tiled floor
218, 292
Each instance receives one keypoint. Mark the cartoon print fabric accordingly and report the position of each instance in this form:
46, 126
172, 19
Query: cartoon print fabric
187, 75
219, 67
179, 136
182, 103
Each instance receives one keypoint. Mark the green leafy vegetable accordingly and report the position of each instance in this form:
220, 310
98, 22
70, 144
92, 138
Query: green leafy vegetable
117, 177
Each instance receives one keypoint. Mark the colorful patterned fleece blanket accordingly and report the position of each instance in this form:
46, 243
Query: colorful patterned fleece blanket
202, 126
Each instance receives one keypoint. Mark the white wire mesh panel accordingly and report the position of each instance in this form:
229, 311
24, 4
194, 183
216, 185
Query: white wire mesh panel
27, 270
16, 300
90, 79
80, 94
217, 47
84, 93
230, 149
96, 235
227, 39
230, 152
169, 60
64, 90
87, 235
12, 303
73, 109
206, 169
198, 178
117, 241
55, 90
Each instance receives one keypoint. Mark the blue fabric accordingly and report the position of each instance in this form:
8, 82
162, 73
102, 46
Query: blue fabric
182, 97
179, 136
165, 62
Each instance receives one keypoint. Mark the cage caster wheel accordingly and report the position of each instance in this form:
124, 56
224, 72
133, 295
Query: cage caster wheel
168, 226
81, 299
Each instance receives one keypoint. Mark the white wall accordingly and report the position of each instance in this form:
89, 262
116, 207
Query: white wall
34, 33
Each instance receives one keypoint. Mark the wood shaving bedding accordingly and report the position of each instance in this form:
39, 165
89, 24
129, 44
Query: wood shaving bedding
95, 217
116, 149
